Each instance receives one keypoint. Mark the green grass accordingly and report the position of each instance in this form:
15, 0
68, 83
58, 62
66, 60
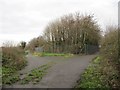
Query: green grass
36, 74
0, 76
13, 60
91, 78
9, 76
52, 54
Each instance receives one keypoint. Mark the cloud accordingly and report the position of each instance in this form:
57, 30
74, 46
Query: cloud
26, 19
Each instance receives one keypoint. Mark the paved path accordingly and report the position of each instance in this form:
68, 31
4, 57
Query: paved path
35, 61
63, 74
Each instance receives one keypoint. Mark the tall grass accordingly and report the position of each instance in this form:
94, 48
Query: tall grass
13, 57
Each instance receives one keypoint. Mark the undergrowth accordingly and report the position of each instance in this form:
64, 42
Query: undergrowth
92, 77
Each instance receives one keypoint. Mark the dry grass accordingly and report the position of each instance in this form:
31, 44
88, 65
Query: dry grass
13, 56
13, 60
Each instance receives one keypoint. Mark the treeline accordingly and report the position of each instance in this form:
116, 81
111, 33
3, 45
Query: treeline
68, 34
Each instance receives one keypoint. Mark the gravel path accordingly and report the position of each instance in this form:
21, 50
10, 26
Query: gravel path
63, 74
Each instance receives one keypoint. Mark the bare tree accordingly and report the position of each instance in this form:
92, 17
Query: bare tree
69, 34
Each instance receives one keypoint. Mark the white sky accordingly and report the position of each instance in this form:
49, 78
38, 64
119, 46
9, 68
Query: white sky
22, 20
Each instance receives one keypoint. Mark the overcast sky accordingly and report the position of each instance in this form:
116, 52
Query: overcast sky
22, 20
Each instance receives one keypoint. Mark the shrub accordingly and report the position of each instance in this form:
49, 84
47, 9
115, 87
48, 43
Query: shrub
110, 61
13, 57
109, 44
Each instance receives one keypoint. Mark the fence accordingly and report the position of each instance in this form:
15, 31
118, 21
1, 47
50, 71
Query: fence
91, 49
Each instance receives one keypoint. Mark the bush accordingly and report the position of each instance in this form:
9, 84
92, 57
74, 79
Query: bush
104, 71
109, 44
13, 57
110, 58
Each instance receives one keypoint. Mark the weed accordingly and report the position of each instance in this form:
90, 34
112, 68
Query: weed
36, 74
9, 76
91, 78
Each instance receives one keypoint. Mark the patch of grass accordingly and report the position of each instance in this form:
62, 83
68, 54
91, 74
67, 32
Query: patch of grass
13, 60
91, 78
52, 54
96, 60
68, 55
36, 74
9, 76
27, 52
10, 79
0, 76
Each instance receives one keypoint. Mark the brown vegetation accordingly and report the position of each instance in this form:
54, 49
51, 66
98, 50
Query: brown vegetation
68, 34
13, 57
111, 61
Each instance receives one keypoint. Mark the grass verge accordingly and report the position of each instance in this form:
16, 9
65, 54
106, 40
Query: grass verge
35, 75
13, 60
9, 76
0, 76
52, 54
92, 77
